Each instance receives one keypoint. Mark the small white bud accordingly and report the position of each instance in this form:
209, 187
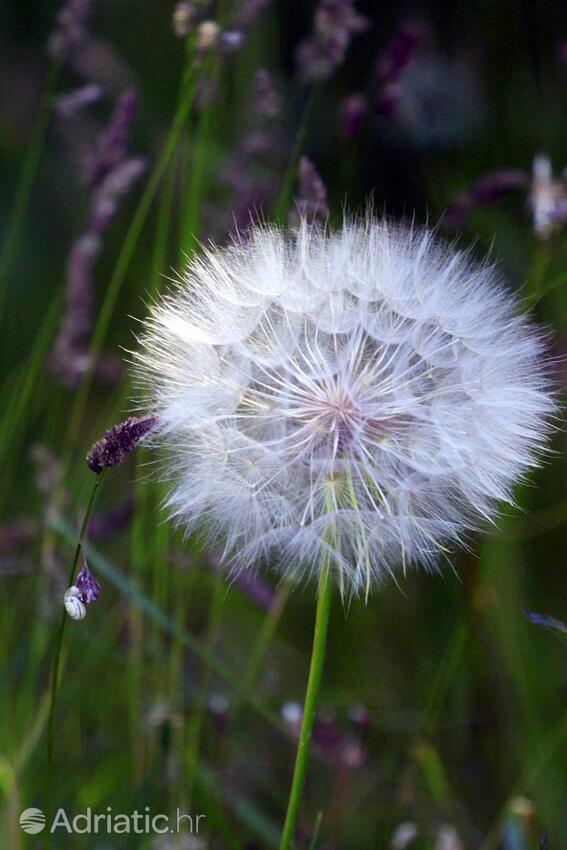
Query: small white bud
74, 605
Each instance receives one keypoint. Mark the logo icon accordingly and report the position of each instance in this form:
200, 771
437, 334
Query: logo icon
32, 821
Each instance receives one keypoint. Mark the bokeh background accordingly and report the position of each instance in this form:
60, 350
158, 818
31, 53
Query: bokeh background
129, 131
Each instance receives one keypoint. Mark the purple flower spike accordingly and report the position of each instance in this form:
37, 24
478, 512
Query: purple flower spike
268, 102
247, 15
230, 41
352, 116
87, 585
71, 29
334, 24
391, 67
67, 105
113, 145
485, 191
119, 441
400, 53
312, 201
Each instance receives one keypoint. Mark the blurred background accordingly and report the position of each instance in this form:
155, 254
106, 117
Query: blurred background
129, 131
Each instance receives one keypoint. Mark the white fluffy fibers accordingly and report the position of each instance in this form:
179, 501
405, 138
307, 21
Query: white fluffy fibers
354, 399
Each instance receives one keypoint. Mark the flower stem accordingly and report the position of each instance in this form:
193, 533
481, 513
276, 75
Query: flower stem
57, 659
313, 682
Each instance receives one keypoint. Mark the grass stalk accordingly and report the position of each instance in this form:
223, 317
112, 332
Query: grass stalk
57, 657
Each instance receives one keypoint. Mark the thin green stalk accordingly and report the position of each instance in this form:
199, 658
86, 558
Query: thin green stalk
198, 718
57, 661
313, 683
196, 190
30, 165
265, 634
283, 199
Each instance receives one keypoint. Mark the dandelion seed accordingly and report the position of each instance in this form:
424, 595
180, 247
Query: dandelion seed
354, 401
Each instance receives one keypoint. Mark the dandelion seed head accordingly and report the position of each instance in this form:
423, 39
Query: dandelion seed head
359, 399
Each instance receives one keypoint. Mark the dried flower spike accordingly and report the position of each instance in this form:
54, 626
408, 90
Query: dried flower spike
87, 584
119, 440
351, 401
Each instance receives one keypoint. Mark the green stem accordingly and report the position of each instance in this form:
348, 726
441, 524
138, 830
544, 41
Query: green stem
26, 181
283, 200
58, 654
313, 682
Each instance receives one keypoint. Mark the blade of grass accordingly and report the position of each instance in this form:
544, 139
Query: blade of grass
27, 177
105, 568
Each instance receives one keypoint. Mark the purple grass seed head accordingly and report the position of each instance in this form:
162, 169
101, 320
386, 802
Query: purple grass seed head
119, 441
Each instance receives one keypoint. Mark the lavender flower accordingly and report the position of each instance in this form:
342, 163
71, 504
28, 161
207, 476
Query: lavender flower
335, 22
230, 41
67, 105
399, 53
391, 67
312, 202
486, 190
268, 101
119, 441
114, 186
72, 28
110, 177
251, 171
113, 144
249, 12
352, 115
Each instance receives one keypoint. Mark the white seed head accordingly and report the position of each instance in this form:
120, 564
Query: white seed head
358, 398
74, 605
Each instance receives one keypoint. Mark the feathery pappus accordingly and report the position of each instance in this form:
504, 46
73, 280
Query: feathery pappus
357, 399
